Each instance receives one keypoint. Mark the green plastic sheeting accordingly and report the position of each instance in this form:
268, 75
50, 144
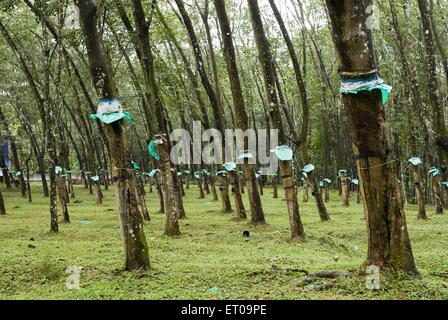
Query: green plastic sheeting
154, 172
308, 168
230, 166
434, 171
221, 173
198, 174
374, 82
109, 111
415, 161
342, 172
247, 154
112, 117
152, 150
283, 152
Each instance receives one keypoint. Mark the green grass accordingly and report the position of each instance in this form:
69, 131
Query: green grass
211, 253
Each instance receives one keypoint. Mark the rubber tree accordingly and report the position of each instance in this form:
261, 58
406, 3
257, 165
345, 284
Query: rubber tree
389, 246
412, 96
170, 187
218, 111
286, 170
131, 220
2, 204
257, 214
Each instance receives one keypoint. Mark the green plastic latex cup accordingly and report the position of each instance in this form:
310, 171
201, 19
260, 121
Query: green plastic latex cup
415, 161
342, 172
152, 150
153, 172
283, 152
198, 174
221, 173
109, 118
374, 82
308, 168
230, 166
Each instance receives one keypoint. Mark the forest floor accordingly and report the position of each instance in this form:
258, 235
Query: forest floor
211, 259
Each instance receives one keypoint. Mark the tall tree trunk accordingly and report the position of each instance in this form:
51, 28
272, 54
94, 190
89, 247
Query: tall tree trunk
242, 121
2, 204
169, 185
389, 246
28, 185
433, 87
131, 221
345, 184
62, 198
265, 58
49, 123
321, 209
411, 98
217, 108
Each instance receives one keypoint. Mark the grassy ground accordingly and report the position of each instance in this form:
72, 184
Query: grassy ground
211, 260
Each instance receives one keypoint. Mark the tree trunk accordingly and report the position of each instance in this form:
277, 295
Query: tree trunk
389, 246
217, 108
274, 187
2, 204
169, 185
99, 193
200, 189
412, 96
305, 196
131, 221
160, 195
345, 191
321, 209
225, 199
236, 192
326, 194
266, 61
28, 185
63, 198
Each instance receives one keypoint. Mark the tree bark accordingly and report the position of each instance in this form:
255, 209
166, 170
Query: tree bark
2, 204
131, 221
217, 108
169, 186
242, 120
389, 246
265, 58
